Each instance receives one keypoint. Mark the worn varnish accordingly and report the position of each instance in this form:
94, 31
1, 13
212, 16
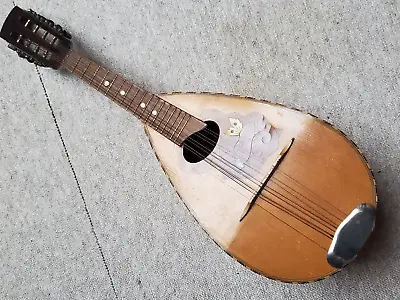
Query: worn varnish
322, 178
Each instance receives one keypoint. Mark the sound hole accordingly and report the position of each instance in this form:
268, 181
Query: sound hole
200, 144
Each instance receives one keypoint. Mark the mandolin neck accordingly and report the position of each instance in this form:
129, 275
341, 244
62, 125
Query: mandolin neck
167, 119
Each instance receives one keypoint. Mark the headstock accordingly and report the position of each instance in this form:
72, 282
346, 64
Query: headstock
36, 38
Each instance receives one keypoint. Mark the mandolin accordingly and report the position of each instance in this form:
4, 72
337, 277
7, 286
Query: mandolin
284, 193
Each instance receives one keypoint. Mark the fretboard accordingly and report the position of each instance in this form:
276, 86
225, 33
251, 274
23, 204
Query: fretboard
169, 120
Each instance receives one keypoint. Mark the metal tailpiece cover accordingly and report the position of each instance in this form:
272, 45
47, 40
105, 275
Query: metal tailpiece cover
351, 235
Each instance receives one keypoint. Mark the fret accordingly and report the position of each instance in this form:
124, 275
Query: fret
126, 93
173, 123
146, 105
154, 111
77, 63
91, 71
166, 112
120, 90
79, 67
130, 103
94, 75
111, 84
64, 62
158, 110
175, 108
140, 104
184, 125
83, 74
97, 79
86, 64
172, 135
104, 78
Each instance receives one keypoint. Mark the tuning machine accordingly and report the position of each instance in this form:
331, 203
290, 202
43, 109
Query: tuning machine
25, 56
51, 24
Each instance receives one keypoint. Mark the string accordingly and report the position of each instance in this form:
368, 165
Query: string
171, 128
270, 201
248, 165
289, 187
153, 120
317, 196
302, 208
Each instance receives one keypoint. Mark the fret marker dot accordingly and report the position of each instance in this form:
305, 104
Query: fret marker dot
106, 83
142, 105
154, 112
122, 93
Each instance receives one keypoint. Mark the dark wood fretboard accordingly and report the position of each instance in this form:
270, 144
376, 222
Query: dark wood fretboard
169, 120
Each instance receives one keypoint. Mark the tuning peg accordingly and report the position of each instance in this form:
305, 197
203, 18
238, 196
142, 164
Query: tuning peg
58, 28
67, 35
62, 31
21, 54
12, 47
50, 23
33, 12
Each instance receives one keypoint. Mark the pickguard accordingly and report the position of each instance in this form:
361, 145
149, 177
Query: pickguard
246, 142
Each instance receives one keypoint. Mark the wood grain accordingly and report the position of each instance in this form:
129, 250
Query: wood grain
287, 233
328, 176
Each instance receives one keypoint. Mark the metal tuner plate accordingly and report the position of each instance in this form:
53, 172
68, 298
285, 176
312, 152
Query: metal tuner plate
351, 235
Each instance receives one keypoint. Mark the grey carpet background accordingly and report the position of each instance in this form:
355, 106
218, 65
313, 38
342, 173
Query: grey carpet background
338, 61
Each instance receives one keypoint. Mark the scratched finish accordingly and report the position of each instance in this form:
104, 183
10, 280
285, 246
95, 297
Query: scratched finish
322, 179
287, 233
245, 143
219, 212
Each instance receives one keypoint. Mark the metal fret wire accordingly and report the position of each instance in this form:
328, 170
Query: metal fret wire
153, 107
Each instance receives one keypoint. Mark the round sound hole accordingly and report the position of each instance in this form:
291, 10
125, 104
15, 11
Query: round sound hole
200, 144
